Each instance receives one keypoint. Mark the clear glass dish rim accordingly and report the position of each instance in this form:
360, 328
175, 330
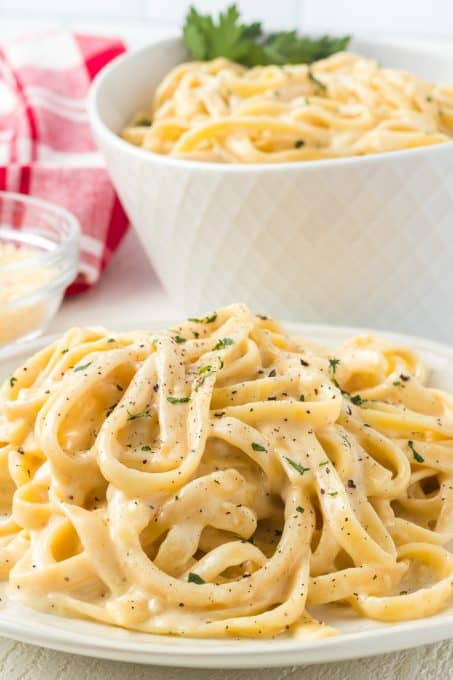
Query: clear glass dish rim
63, 250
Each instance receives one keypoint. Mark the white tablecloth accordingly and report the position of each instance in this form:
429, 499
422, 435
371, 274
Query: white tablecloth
130, 293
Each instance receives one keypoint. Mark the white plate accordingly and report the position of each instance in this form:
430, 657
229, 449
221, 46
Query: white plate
358, 637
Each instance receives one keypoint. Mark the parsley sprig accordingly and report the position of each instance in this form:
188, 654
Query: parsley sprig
228, 37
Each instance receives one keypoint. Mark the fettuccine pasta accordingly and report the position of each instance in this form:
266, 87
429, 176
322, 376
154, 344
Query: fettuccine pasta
222, 478
344, 105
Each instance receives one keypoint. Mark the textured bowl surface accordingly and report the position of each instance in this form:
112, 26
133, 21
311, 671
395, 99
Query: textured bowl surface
363, 241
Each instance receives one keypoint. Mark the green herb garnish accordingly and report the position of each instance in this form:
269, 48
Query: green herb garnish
299, 468
224, 342
179, 339
333, 493
178, 400
64, 351
111, 340
324, 462
146, 448
248, 44
415, 453
82, 368
12, 381
315, 80
258, 447
300, 509
357, 400
205, 370
333, 363
206, 319
136, 416
194, 578
143, 121
298, 143
301, 398
397, 383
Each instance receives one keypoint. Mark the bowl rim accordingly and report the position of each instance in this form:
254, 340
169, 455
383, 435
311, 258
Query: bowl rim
100, 126
70, 240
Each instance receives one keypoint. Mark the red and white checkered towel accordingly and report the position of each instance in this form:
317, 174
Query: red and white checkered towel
46, 146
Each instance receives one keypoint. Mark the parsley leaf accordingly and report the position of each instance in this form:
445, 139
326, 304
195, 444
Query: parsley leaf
258, 447
12, 381
299, 468
178, 400
300, 509
83, 367
228, 37
136, 416
194, 578
224, 342
319, 84
333, 363
415, 453
205, 319
357, 400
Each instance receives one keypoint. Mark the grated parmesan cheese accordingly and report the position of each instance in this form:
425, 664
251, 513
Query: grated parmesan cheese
20, 320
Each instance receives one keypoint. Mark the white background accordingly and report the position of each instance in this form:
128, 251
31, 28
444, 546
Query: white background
422, 17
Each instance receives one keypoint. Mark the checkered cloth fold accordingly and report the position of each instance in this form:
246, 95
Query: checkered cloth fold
46, 146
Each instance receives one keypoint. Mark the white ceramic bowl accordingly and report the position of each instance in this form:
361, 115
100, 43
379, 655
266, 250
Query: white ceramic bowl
363, 241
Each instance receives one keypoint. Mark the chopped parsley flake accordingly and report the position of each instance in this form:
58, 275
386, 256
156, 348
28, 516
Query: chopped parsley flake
415, 453
224, 342
146, 448
299, 143
300, 509
111, 340
357, 400
205, 370
299, 468
64, 351
143, 121
194, 578
136, 416
12, 381
333, 363
179, 339
301, 398
397, 383
83, 367
178, 400
324, 462
316, 80
258, 447
206, 319
333, 493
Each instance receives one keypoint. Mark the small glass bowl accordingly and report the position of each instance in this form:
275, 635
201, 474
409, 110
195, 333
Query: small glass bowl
44, 242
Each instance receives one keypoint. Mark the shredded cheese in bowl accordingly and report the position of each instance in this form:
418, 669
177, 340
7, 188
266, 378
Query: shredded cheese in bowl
38, 260
17, 282
18, 320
